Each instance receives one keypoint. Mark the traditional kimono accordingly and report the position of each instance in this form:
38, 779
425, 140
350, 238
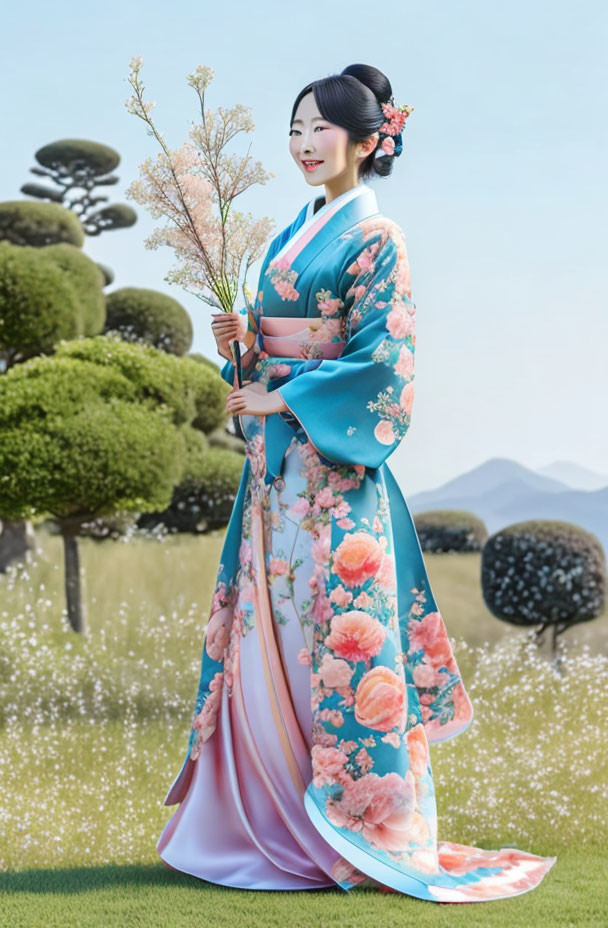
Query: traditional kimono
326, 670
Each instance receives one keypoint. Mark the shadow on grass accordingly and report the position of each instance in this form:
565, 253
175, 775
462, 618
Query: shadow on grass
113, 876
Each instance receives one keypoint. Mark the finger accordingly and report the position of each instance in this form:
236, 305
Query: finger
224, 327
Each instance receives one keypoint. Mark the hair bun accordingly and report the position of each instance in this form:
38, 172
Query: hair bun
372, 78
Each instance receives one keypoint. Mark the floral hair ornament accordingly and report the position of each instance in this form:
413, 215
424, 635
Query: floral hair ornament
390, 140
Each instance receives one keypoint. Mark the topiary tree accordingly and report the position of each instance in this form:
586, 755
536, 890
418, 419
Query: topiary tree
26, 223
77, 167
87, 280
79, 440
39, 304
211, 478
205, 495
544, 574
194, 392
147, 316
108, 273
47, 293
443, 530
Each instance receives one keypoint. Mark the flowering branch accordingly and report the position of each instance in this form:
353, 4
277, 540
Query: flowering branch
184, 185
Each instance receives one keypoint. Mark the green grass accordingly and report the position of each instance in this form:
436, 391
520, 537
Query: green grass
94, 730
572, 894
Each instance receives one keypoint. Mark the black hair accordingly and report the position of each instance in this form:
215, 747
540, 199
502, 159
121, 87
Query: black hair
352, 100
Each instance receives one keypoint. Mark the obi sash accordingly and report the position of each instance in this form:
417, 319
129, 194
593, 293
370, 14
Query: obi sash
293, 337
283, 337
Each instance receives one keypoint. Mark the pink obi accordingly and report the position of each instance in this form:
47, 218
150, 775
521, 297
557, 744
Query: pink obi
289, 337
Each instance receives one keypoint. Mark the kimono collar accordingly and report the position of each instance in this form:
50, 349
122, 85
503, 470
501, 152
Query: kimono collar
331, 220
341, 200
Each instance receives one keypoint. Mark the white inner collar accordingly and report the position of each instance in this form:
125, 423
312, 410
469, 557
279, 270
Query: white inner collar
346, 196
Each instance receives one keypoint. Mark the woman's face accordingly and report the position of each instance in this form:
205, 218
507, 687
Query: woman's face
314, 139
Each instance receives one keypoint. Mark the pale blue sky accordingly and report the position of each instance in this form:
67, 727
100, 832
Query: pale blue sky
501, 189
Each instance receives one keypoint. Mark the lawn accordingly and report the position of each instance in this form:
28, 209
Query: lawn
94, 730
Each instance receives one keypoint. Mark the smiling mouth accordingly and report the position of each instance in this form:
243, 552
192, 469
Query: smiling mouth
311, 165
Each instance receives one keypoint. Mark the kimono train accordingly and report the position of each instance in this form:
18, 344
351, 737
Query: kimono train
326, 667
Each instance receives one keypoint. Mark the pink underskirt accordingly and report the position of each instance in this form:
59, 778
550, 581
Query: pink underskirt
243, 822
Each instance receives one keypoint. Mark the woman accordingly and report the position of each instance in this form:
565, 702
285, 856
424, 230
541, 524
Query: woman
326, 669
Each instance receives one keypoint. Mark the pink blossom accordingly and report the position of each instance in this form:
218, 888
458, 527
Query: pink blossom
392, 737
277, 566
425, 675
399, 322
320, 548
347, 694
340, 596
381, 699
430, 635
335, 672
330, 307
384, 432
206, 721
367, 258
407, 397
355, 635
327, 762
341, 507
333, 716
300, 507
245, 552
405, 362
381, 808
285, 290
363, 601
386, 576
418, 750
364, 759
357, 557
278, 370
325, 498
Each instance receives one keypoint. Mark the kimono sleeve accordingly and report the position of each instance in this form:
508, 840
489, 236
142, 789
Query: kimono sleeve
356, 409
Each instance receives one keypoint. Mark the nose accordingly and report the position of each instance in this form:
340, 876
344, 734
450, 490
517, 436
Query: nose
307, 144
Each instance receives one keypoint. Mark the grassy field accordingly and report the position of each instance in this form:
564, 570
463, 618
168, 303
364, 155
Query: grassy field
94, 730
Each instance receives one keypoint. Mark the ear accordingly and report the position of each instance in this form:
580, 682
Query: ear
369, 144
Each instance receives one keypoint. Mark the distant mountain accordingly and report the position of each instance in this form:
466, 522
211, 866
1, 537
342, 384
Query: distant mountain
576, 476
501, 491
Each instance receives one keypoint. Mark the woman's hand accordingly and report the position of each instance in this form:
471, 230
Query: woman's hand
226, 327
252, 399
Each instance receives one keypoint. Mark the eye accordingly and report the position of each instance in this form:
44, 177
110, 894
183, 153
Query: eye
291, 131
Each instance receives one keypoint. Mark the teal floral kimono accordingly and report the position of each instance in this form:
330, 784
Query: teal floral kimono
326, 668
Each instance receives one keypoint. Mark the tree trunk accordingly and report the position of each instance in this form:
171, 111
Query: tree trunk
73, 589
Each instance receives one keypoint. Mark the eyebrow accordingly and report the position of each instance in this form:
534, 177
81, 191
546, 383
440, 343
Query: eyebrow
314, 119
